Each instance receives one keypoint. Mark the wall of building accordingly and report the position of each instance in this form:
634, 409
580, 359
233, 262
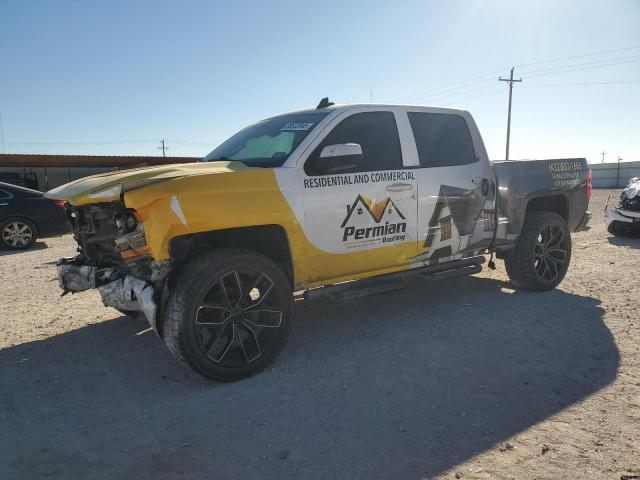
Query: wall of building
612, 175
52, 177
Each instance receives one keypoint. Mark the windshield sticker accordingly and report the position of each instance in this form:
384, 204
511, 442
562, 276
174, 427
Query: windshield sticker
297, 126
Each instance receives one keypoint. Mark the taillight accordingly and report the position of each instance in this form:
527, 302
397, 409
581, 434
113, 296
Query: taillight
589, 177
60, 203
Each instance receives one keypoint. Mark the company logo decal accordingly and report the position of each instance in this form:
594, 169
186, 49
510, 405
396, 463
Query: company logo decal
369, 222
566, 173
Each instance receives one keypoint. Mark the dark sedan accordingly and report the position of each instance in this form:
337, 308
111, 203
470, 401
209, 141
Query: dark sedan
26, 215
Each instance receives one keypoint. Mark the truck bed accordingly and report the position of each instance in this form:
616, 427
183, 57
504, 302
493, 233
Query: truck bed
561, 182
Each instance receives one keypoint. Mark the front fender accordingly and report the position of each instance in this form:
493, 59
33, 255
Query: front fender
204, 203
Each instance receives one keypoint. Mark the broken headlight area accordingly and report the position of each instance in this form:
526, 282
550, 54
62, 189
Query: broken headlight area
630, 197
110, 234
114, 258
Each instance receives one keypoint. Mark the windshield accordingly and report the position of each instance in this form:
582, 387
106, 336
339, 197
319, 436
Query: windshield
267, 143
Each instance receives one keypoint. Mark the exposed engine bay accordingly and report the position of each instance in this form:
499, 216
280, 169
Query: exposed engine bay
626, 216
114, 258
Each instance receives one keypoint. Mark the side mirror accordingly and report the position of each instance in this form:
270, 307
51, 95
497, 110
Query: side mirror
342, 157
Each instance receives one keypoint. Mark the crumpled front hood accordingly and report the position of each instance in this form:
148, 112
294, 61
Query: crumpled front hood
107, 187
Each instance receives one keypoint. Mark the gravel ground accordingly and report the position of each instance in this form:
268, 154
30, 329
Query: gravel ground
482, 382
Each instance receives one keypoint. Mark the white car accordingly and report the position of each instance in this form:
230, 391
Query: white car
625, 218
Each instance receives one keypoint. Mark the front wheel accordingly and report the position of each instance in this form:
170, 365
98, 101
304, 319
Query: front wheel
541, 257
228, 314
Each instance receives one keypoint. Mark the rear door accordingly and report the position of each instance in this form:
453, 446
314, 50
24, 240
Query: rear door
455, 191
363, 219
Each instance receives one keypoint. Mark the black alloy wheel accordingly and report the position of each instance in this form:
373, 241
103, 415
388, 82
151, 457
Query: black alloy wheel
540, 259
228, 313
238, 318
550, 252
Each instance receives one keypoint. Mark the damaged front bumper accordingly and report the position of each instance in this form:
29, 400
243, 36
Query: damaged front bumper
614, 214
127, 293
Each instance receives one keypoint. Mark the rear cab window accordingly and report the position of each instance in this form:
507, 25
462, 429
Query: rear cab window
442, 139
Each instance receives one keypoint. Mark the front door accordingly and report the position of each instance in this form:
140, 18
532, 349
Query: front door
455, 196
362, 220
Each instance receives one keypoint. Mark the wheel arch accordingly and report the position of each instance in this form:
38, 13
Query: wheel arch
556, 203
269, 240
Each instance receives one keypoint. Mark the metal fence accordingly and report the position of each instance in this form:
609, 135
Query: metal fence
613, 175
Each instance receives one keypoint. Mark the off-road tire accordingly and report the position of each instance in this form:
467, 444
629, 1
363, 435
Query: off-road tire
204, 272
520, 262
22, 221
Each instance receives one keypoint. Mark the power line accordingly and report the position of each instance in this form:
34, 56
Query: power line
583, 84
466, 91
190, 143
580, 69
493, 92
471, 82
91, 142
562, 67
113, 142
578, 56
447, 87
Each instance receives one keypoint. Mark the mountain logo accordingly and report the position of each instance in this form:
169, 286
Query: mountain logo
372, 221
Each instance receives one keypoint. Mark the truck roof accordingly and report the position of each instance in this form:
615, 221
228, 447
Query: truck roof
348, 106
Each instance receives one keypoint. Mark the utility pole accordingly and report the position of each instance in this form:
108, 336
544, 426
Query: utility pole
163, 148
618, 174
603, 154
511, 82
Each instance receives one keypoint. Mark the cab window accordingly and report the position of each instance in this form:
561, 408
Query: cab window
443, 140
375, 132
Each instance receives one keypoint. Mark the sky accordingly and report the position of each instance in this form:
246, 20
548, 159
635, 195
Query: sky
113, 78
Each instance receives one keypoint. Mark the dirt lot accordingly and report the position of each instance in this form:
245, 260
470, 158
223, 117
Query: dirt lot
427, 382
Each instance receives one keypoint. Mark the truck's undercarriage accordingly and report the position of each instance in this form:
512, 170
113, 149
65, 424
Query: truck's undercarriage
114, 258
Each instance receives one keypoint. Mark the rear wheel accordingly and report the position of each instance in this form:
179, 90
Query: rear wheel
17, 233
542, 255
228, 315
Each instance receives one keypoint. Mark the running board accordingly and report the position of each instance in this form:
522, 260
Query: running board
396, 281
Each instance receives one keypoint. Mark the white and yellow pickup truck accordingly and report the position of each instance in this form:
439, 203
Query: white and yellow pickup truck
311, 202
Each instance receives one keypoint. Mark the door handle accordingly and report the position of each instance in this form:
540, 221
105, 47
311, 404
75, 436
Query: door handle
399, 187
3, 203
